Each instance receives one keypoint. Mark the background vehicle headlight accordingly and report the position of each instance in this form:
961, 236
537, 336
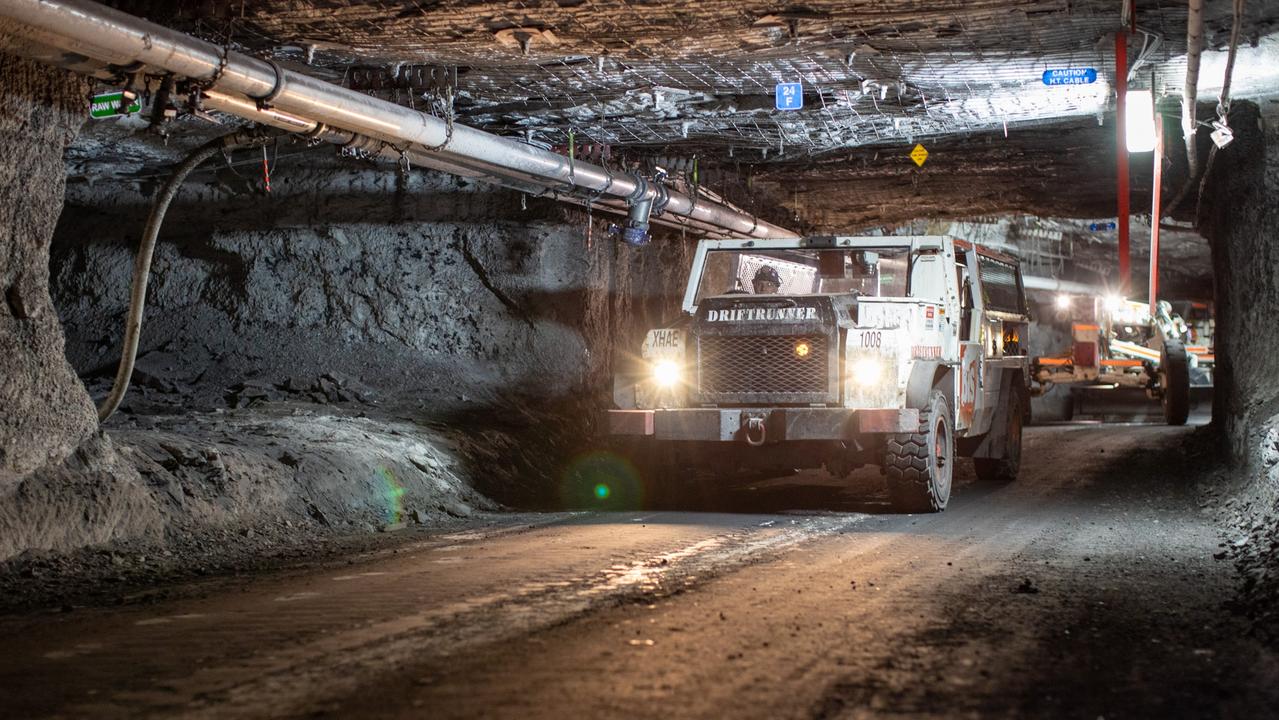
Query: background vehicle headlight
867, 371
666, 373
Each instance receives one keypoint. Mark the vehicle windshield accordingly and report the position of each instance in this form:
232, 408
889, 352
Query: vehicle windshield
879, 272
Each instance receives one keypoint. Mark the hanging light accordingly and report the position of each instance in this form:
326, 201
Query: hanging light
1139, 122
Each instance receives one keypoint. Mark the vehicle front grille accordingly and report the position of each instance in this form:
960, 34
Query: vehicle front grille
763, 368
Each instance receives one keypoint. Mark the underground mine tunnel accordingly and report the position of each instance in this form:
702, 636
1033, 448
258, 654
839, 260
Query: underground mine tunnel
387, 358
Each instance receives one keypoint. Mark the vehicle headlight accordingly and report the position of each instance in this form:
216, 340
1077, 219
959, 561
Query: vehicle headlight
866, 371
665, 373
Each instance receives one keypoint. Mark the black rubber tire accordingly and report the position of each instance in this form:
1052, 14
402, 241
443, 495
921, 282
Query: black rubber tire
920, 466
1005, 469
1174, 380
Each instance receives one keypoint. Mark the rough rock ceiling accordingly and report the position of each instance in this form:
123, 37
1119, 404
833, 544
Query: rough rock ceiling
659, 78
1083, 250
700, 76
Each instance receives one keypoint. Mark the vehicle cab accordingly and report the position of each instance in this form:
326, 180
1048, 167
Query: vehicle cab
821, 348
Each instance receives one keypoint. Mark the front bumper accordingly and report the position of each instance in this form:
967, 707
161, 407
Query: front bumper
780, 424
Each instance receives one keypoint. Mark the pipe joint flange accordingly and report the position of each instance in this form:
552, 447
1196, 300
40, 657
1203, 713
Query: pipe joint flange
641, 190
315, 136
361, 145
265, 101
662, 200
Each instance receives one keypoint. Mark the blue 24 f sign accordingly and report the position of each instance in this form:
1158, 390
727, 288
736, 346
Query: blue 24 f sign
789, 96
1070, 76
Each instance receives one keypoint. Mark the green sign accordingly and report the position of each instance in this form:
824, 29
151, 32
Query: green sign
108, 105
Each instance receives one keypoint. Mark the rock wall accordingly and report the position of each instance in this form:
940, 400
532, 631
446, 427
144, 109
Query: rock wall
437, 293
355, 350
1240, 216
44, 410
61, 483
425, 296
1239, 213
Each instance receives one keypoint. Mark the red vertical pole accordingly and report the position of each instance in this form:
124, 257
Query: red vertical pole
1155, 210
1121, 154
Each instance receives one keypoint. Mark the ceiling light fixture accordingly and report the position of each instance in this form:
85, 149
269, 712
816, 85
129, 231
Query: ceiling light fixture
1139, 122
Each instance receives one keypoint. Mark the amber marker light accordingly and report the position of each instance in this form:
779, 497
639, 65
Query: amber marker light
803, 349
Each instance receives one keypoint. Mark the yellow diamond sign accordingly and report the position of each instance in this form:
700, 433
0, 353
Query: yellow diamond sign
919, 155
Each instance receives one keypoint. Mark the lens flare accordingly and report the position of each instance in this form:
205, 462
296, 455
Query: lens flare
666, 373
392, 492
602, 480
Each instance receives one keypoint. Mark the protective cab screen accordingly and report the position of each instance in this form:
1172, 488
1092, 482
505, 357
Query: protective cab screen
875, 272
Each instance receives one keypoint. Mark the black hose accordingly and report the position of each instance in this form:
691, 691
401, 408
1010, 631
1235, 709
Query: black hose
142, 263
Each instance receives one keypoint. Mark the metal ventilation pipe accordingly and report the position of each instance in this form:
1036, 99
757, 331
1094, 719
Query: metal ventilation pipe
245, 108
1051, 284
636, 230
1190, 93
105, 34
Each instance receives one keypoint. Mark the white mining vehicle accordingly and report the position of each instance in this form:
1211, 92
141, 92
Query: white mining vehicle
904, 352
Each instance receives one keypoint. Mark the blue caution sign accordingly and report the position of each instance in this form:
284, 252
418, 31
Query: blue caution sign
789, 96
1070, 76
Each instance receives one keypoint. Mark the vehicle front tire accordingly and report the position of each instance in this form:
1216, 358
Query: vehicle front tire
1005, 469
1174, 379
920, 465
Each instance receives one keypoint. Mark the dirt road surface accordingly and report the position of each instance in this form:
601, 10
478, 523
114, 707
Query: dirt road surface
1086, 589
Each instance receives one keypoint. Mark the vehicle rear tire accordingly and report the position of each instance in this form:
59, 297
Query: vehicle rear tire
1174, 380
920, 465
1005, 469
